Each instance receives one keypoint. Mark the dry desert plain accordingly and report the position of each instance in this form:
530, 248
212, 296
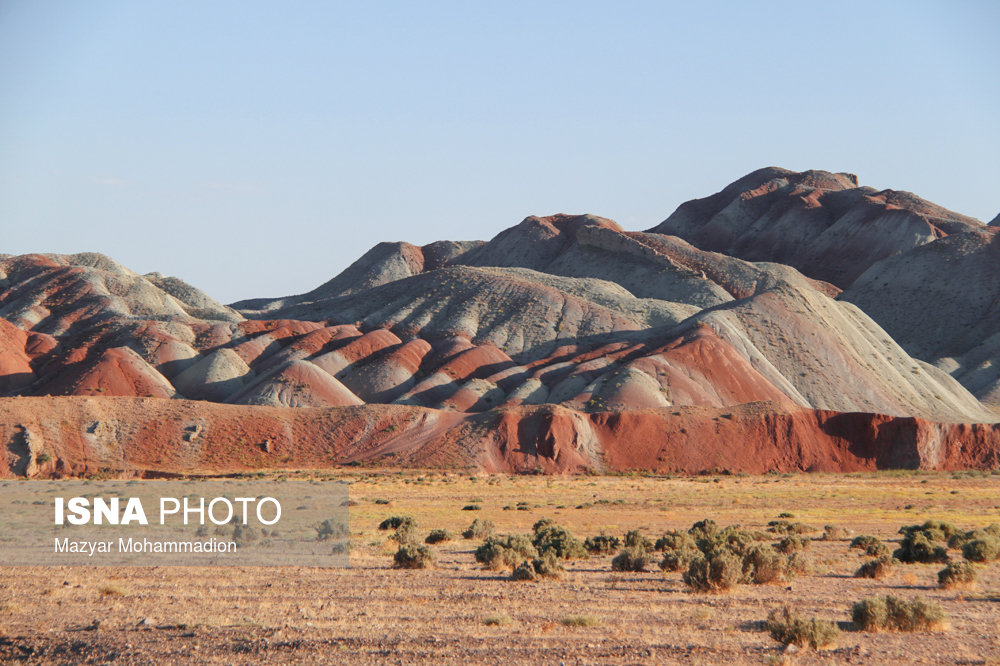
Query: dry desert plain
458, 612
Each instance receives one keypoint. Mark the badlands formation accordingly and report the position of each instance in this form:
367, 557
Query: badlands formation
792, 321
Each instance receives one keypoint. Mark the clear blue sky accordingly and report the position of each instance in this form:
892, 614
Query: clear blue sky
257, 148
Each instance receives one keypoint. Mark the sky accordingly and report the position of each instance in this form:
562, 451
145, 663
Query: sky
257, 148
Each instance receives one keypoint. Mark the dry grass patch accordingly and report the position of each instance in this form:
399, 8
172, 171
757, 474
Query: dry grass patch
111, 590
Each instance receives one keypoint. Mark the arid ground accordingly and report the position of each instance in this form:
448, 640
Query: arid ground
458, 612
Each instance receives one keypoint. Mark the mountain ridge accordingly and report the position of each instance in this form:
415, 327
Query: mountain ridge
566, 312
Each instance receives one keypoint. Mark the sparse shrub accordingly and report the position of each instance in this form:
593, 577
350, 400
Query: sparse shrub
679, 559
878, 550
500, 552
602, 544
631, 559
437, 536
713, 573
523, 571
731, 538
395, 522
891, 613
834, 533
872, 546
479, 529
864, 541
762, 564
786, 527
244, 534
541, 524
635, 539
581, 621
547, 565
786, 627
679, 549
329, 529
675, 541
792, 544
560, 541
878, 568
703, 528
981, 550
989, 532
957, 575
411, 556
796, 564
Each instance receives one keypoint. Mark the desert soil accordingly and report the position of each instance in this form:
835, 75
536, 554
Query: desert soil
458, 612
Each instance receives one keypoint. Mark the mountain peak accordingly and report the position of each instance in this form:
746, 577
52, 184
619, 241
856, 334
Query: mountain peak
820, 222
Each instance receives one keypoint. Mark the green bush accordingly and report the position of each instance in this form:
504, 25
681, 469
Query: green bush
878, 550
437, 536
786, 527
890, 613
919, 546
864, 542
733, 539
547, 565
679, 559
479, 529
934, 530
602, 544
523, 571
957, 575
675, 541
878, 568
635, 539
962, 538
559, 541
631, 559
981, 550
786, 627
792, 544
541, 524
395, 522
721, 558
410, 556
703, 528
713, 573
501, 552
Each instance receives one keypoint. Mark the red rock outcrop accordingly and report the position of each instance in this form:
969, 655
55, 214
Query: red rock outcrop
128, 437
